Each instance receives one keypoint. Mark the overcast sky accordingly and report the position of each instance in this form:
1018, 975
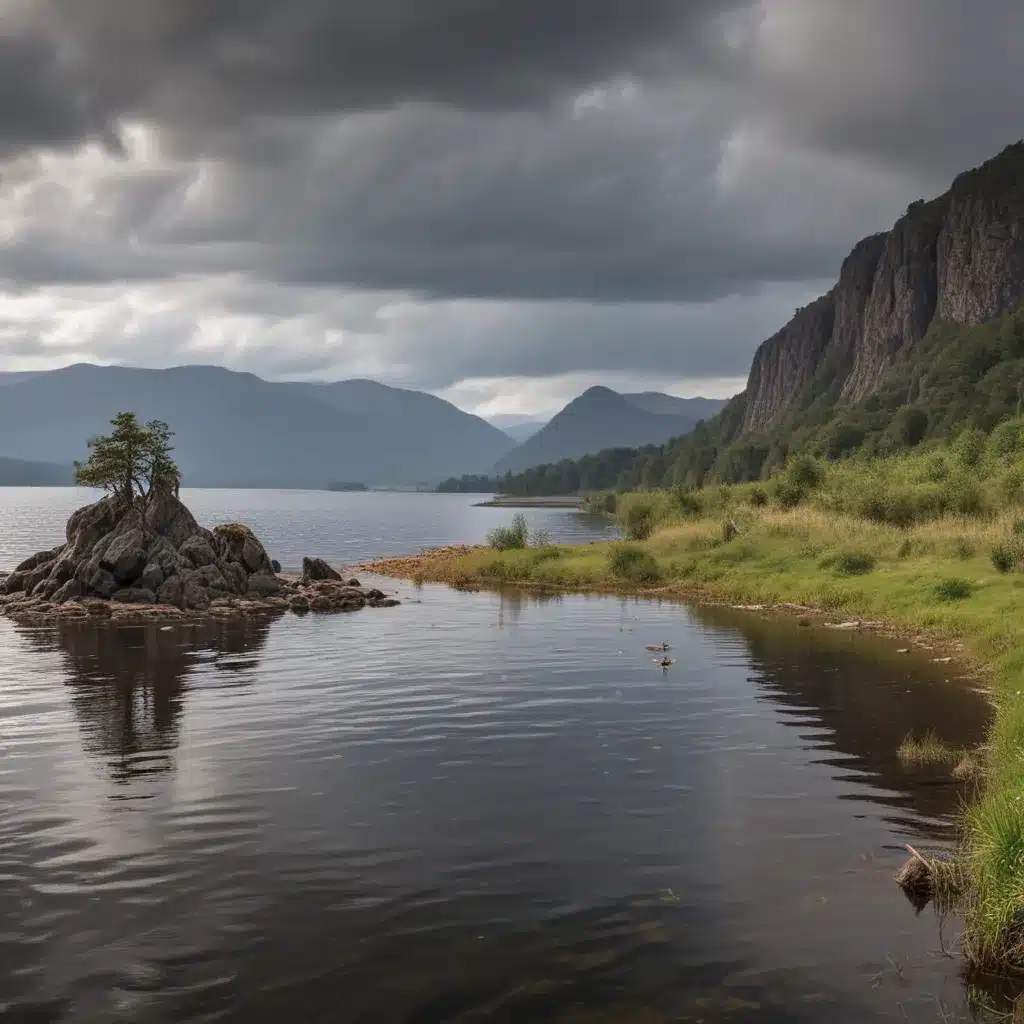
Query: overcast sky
502, 202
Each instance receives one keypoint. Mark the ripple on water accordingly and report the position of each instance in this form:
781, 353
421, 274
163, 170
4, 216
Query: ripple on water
478, 807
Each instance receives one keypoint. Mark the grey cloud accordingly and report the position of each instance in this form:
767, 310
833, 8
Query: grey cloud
615, 184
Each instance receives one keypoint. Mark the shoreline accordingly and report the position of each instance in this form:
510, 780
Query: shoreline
790, 562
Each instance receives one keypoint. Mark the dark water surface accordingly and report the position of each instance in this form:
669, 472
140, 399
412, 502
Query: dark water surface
344, 528
473, 807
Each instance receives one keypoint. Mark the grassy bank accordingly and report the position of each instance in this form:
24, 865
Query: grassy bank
928, 542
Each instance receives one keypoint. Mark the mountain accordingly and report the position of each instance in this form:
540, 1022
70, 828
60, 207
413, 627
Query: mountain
237, 430
921, 336
19, 473
599, 419
668, 405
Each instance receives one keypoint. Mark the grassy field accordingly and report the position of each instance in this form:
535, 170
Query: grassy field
932, 542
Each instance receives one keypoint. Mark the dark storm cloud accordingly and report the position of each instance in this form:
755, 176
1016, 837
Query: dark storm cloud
573, 163
195, 62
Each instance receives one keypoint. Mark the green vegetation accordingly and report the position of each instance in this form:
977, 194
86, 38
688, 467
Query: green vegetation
958, 386
510, 538
929, 539
929, 749
131, 461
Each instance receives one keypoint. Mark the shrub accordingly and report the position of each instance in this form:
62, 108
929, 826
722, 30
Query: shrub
963, 496
638, 519
758, 497
541, 539
689, 503
936, 469
969, 447
510, 538
1010, 486
953, 589
789, 494
1004, 558
633, 563
1006, 439
805, 472
850, 563
964, 549
1018, 527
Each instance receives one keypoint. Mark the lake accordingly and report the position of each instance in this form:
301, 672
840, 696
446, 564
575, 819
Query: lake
472, 807
341, 527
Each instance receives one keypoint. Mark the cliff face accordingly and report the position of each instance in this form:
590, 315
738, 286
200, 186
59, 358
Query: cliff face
784, 365
958, 258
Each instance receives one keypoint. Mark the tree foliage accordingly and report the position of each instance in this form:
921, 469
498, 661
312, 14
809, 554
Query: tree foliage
131, 461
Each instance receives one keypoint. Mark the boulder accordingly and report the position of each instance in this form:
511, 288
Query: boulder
102, 583
235, 576
354, 583
96, 608
125, 556
133, 595
299, 604
38, 559
15, 583
198, 551
172, 591
36, 576
168, 517
237, 543
209, 577
152, 577
91, 522
161, 552
71, 591
317, 569
263, 584
275, 565
194, 597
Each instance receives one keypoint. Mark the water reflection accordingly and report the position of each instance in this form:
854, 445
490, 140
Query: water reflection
127, 685
481, 807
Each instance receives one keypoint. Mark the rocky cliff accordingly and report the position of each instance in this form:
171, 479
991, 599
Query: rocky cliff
959, 258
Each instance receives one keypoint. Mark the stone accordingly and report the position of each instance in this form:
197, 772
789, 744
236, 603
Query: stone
194, 597
15, 582
209, 577
133, 595
102, 583
354, 583
70, 591
235, 576
275, 565
320, 603
98, 609
197, 551
388, 602
38, 559
125, 556
168, 517
171, 592
237, 543
263, 585
36, 576
152, 577
317, 569
299, 604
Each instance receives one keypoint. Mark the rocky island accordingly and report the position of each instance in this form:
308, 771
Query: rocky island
153, 560
138, 552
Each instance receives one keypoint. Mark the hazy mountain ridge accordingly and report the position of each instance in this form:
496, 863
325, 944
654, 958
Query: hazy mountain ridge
237, 430
23, 473
601, 419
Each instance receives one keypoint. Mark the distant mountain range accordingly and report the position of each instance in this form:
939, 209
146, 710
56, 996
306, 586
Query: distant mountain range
600, 419
518, 428
236, 430
20, 473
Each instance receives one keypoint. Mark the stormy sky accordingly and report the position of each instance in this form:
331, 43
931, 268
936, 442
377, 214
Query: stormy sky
501, 202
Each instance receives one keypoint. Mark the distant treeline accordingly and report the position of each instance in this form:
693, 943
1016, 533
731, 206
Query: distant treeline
347, 487
957, 377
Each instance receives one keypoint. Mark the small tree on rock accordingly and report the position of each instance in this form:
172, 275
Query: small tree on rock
131, 461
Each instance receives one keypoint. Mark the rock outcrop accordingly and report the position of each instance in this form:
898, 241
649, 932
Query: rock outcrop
959, 258
157, 561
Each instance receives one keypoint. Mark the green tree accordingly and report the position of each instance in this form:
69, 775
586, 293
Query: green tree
131, 461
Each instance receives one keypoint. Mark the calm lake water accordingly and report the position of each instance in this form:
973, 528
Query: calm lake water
341, 527
472, 807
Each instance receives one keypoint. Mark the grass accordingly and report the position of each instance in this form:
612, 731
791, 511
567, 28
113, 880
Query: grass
929, 749
911, 540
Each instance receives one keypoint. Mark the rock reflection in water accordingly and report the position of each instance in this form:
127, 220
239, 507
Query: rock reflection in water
128, 684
